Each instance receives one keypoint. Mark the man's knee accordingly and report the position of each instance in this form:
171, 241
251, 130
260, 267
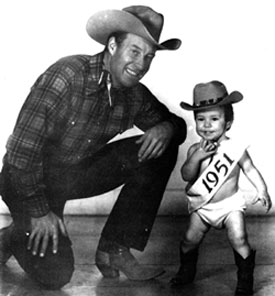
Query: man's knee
54, 276
164, 164
171, 154
52, 271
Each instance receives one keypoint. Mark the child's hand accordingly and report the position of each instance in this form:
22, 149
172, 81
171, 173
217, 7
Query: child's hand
207, 148
264, 198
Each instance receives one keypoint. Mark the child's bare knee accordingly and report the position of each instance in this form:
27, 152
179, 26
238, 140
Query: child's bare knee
192, 238
239, 240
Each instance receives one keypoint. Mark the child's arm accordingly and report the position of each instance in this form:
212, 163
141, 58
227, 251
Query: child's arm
195, 155
254, 176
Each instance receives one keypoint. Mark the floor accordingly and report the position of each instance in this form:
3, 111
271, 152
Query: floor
216, 270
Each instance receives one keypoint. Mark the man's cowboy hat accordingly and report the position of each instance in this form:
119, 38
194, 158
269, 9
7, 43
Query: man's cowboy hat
139, 20
211, 94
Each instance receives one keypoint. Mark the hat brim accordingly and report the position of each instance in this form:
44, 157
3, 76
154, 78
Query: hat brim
103, 23
233, 98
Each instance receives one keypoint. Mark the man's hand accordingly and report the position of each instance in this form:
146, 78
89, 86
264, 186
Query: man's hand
155, 140
43, 229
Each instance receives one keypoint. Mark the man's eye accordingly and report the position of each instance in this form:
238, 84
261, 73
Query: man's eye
135, 52
150, 57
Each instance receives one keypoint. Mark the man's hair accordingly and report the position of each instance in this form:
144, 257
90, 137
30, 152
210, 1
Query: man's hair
119, 36
228, 112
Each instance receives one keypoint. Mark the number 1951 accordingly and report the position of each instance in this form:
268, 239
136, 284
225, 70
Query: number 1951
212, 178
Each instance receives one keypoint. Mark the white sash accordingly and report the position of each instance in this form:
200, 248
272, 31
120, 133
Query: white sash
224, 161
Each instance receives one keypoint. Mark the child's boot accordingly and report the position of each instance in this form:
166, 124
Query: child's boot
187, 270
245, 273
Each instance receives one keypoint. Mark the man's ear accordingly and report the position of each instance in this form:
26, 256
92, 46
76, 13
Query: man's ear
112, 45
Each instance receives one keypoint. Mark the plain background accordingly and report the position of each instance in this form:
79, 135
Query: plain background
227, 40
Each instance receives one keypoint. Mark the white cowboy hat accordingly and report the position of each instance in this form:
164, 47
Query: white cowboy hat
139, 20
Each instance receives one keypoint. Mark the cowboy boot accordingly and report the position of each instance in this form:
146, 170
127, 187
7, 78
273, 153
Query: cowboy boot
5, 237
102, 261
245, 273
112, 258
123, 260
188, 268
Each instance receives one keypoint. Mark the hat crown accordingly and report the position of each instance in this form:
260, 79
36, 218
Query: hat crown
139, 20
207, 93
211, 94
152, 20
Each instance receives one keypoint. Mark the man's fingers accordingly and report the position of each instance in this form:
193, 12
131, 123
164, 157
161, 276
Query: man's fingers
32, 235
55, 241
44, 245
158, 150
152, 150
36, 243
29, 246
62, 227
143, 151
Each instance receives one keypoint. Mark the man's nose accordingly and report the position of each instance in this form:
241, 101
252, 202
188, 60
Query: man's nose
140, 63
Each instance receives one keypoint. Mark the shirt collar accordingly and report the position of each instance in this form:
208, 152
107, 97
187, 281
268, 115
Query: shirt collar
100, 78
97, 75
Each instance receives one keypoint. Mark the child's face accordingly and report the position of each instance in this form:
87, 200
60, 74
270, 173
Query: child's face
211, 125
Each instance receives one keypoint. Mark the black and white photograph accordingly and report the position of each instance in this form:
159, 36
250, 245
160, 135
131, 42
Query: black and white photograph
136, 148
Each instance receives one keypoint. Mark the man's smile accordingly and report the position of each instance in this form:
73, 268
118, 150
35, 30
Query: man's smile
133, 73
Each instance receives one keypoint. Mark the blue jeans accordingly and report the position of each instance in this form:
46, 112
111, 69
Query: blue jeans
132, 217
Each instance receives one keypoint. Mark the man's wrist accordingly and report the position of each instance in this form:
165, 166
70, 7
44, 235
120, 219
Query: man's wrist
169, 126
37, 210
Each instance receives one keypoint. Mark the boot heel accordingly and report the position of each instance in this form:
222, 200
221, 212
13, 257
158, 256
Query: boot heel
107, 271
124, 261
103, 264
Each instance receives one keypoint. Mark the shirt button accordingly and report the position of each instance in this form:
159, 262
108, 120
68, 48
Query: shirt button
73, 122
89, 140
146, 229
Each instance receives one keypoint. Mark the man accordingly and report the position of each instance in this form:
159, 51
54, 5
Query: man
59, 151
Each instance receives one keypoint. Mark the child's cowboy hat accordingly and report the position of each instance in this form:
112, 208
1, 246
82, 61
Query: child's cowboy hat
211, 94
139, 20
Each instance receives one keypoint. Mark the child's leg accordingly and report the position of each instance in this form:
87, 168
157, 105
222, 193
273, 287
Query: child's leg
194, 234
237, 234
244, 256
189, 251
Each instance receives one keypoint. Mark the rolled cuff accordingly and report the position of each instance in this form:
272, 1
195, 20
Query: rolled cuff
37, 206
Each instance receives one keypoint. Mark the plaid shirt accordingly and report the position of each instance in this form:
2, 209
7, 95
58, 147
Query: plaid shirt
69, 115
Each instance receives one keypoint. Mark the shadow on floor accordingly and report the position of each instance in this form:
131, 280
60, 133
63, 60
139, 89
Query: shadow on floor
216, 274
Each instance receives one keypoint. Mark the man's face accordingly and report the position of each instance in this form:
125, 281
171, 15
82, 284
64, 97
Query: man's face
130, 60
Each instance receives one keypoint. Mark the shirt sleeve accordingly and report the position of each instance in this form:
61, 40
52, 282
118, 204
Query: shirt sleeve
32, 129
153, 112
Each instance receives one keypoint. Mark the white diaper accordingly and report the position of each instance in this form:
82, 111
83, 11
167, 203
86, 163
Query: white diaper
215, 214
